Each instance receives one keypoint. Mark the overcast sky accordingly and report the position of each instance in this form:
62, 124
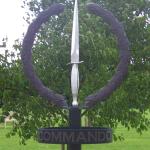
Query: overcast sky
12, 24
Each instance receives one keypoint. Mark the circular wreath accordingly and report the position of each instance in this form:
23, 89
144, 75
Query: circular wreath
124, 56
106, 91
26, 56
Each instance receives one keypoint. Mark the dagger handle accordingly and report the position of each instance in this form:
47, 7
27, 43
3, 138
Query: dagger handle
75, 83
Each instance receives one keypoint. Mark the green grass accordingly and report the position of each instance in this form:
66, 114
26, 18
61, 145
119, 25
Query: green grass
13, 143
133, 141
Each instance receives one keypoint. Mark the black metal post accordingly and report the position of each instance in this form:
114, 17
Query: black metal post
74, 122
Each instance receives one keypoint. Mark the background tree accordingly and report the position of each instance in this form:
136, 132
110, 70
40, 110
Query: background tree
128, 106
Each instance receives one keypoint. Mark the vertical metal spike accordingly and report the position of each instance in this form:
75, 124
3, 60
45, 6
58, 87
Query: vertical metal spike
75, 56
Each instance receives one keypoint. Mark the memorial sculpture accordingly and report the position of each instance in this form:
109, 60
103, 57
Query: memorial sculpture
75, 135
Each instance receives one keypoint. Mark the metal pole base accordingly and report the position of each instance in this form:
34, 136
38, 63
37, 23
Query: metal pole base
74, 122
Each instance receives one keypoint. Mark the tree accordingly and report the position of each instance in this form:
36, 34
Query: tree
98, 49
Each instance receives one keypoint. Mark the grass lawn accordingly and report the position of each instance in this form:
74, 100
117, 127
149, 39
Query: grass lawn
133, 141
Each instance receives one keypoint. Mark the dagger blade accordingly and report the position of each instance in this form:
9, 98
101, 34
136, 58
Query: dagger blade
75, 36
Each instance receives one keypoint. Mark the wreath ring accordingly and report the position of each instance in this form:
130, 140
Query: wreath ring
106, 91
26, 56
124, 56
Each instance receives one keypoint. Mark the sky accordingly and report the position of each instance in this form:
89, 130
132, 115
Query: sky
12, 24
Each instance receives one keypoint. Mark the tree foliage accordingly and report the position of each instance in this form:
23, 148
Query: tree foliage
98, 49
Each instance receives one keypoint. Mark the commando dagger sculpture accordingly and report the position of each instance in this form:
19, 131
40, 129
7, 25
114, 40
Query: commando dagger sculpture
75, 56
60, 100
75, 134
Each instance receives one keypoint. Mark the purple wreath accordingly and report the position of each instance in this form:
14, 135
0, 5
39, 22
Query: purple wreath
106, 91
122, 68
26, 56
